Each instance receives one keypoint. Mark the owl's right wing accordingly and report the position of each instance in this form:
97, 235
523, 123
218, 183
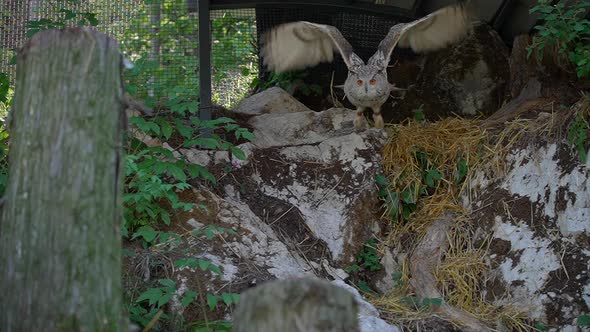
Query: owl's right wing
440, 29
302, 44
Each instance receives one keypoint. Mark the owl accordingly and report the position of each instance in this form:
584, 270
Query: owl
302, 44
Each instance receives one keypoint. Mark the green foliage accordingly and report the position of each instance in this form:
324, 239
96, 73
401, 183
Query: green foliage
156, 298
6, 93
583, 321
211, 231
287, 81
216, 326
176, 63
419, 113
462, 170
397, 277
391, 198
66, 16
368, 257
540, 327
227, 298
565, 26
364, 287
421, 304
578, 136
401, 202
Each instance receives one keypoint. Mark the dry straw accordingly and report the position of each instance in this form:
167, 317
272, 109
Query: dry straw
462, 273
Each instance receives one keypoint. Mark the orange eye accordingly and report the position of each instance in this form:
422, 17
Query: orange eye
359, 82
373, 82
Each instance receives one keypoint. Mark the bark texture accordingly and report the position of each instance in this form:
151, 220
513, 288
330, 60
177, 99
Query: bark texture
59, 233
296, 305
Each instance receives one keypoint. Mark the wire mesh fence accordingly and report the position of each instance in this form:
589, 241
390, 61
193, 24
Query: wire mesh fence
160, 37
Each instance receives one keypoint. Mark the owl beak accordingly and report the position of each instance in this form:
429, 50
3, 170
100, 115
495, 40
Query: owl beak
366, 89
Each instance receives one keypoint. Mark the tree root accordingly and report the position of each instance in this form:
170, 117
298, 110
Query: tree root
422, 264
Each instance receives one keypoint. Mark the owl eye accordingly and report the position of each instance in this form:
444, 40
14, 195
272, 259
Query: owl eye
359, 82
373, 82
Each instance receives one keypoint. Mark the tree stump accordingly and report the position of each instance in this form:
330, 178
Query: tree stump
60, 247
296, 305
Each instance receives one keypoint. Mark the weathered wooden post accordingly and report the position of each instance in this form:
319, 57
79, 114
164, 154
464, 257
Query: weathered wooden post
60, 266
296, 305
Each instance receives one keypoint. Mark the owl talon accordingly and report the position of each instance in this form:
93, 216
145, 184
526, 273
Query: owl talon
378, 120
359, 121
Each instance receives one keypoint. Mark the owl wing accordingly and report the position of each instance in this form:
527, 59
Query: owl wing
437, 30
302, 44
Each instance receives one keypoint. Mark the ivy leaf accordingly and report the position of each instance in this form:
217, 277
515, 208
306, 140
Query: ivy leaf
177, 172
190, 262
212, 301
166, 218
188, 298
238, 153
166, 129
167, 282
152, 295
432, 176
164, 299
381, 180
227, 298
184, 130
210, 232
147, 232
407, 196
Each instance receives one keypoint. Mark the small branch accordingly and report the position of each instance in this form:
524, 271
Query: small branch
423, 262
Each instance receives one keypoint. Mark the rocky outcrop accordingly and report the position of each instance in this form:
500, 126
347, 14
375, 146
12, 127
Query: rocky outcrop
273, 100
466, 79
538, 217
302, 203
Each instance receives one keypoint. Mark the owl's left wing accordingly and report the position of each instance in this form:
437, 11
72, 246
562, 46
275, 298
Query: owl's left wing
437, 30
302, 44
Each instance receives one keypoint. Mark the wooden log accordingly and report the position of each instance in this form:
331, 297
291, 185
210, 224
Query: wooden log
296, 305
60, 247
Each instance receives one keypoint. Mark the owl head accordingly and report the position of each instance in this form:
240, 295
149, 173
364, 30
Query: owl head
367, 85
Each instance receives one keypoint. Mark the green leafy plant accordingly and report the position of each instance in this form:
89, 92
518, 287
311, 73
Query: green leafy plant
287, 81
6, 93
462, 170
419, 113
391, 198
397, 277
364, 287
578, 135
422, 304
564, 26
368, 257
156, 298
540, 327
583, 321
401, 200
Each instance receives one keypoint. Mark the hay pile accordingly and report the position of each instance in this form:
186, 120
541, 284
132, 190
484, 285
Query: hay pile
450, 152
